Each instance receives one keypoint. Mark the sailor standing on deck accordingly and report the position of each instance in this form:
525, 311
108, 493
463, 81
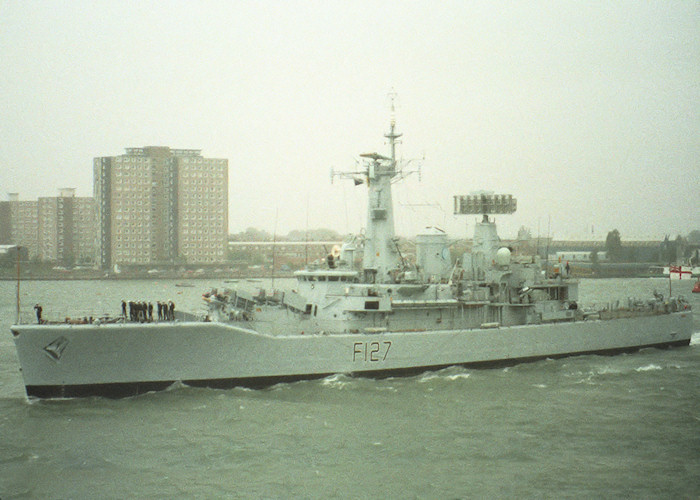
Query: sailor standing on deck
38, 310
123, 309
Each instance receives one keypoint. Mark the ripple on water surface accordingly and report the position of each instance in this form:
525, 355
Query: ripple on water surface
588, 426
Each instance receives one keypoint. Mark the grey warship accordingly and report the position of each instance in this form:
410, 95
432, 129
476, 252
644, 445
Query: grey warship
365, 311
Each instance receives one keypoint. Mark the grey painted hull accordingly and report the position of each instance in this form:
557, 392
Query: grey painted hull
126, 359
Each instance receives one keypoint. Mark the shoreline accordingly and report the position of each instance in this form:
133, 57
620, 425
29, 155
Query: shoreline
249, 277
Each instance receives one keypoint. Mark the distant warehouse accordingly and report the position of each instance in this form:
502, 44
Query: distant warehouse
583, 256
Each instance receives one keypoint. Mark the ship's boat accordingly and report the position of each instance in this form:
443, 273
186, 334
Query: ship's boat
366, 311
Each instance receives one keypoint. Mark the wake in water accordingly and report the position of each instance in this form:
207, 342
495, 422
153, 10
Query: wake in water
620, 366
650, 367
447, 374
337, 381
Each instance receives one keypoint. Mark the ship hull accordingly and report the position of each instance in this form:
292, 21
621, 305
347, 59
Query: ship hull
128, 359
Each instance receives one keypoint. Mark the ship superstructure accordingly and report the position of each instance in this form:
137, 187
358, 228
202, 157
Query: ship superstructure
486, 287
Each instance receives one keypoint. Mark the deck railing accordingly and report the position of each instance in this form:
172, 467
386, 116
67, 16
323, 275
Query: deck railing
78, 316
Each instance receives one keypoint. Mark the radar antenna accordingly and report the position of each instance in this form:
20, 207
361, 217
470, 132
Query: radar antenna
485, 203
370, 163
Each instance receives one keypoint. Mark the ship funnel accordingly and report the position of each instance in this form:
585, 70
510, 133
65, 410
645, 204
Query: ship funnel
433, 255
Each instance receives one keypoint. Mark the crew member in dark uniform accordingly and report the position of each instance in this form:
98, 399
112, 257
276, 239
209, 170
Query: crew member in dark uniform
38, 310
123, 309
172, 310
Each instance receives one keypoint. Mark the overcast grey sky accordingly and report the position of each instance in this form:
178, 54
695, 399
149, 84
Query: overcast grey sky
587, 112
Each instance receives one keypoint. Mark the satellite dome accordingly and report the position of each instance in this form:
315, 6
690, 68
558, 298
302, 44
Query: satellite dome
503, 256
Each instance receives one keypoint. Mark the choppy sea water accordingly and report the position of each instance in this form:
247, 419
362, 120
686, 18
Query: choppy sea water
625, 426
